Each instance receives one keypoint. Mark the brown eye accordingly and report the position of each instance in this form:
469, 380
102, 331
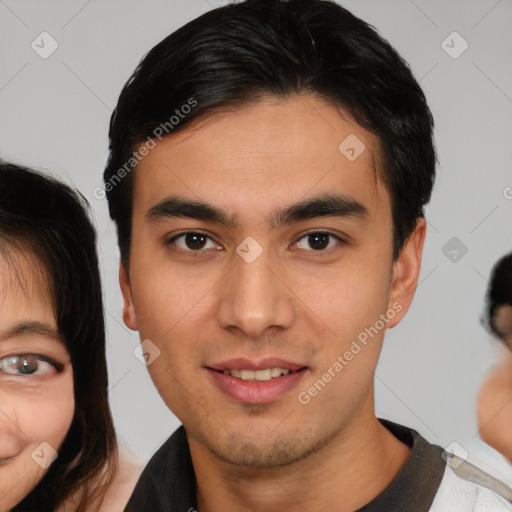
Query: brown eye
193, 241
318, 241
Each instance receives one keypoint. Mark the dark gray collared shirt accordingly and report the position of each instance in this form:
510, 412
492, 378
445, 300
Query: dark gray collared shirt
168, 483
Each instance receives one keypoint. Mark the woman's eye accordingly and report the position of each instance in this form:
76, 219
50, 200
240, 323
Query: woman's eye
318, 241
29, 364
194, 241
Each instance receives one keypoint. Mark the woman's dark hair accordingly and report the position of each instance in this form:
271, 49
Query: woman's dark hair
44, 218
237, 54
499, 292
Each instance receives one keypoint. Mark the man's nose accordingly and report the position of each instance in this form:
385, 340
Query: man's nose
255, 297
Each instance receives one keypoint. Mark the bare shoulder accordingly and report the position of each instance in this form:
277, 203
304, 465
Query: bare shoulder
119, 491
116, 495
499, 379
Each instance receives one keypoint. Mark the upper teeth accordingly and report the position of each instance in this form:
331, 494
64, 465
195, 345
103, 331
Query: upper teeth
267, 374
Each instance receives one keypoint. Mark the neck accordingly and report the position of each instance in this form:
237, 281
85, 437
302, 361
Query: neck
348, 472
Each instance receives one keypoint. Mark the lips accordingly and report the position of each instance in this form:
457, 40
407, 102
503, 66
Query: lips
260, 375
246, 364
258, 382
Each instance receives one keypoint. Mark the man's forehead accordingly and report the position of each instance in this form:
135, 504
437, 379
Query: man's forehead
226, 157
304, 124
269, 108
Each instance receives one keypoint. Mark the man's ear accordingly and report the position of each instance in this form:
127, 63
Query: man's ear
406, 270
129, 317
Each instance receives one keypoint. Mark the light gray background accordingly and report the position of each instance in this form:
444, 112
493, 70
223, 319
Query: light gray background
54, 115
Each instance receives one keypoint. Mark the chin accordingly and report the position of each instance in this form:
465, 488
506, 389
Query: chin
263, 450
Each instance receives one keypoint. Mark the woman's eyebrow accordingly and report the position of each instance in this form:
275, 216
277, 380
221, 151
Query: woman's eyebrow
30, 328
335, 205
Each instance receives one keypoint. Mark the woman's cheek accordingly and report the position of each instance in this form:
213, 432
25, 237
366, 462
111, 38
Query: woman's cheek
49, 413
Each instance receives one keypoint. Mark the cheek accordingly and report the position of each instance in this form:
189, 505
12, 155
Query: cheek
166, 299
346, 299
47, 416
43, 417
170, 309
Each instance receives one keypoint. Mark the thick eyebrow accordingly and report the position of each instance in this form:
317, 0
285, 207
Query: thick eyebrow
327, 205
172, 207
30, 329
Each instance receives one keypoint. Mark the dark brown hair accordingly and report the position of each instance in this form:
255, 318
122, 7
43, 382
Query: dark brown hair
234, 55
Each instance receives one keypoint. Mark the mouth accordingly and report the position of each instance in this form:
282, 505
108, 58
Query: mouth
259, 375
256, 383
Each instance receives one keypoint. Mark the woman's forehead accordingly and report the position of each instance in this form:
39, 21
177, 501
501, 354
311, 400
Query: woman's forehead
25, 286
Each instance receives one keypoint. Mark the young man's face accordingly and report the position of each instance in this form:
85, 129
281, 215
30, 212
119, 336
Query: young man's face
268, 285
